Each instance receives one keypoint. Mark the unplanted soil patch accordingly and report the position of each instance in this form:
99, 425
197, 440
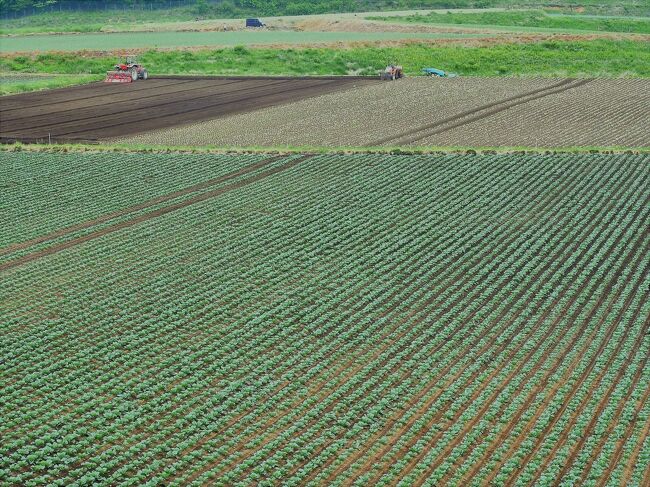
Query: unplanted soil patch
457, 112
100, 110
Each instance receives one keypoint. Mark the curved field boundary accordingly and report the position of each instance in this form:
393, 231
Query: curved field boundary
461, 118
148, 216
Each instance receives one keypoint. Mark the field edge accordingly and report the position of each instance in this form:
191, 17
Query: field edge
393, 150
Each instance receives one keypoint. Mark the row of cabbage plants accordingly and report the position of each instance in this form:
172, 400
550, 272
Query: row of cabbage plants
368, 319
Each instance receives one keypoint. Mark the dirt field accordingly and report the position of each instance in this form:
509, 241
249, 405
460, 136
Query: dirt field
601, 112
101, 110
483, 112
451, 112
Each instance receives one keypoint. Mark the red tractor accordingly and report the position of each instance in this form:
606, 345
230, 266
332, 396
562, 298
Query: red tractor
392, 72
127, 72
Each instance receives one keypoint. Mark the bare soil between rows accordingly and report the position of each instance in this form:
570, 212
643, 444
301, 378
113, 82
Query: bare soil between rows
101, 110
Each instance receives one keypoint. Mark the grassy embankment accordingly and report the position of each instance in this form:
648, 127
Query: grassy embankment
528, 20
602, 57
32, 82
127, 41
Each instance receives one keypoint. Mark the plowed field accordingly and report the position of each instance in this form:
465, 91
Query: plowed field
102, 110
174, 319
465, 112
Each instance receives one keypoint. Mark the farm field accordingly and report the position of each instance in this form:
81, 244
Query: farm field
525, 20
166, 40
483, 112
603, 111
101, 110
329, 319
12, 82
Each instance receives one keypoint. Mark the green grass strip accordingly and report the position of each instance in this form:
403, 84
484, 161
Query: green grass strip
552, 58
528, 19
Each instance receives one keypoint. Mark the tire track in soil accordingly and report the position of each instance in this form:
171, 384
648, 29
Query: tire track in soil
557, 415
558, 362
141, 206
485, 383
107, 446
575, 449
428, 387
451, 334
378, 353
148, 216
503, 435
493, 111
464, 114
214, 435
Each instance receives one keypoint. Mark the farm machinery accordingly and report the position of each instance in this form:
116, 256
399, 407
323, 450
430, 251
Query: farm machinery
392, 72
438, 73
127, 72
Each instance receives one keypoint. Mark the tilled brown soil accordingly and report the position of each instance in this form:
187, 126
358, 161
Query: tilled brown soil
101, 110
456, 112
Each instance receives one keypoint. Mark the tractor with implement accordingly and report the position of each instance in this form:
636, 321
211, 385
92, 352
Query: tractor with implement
392, 72
127, 72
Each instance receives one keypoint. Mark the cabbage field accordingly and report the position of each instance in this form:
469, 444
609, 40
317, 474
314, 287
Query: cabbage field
366, 319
